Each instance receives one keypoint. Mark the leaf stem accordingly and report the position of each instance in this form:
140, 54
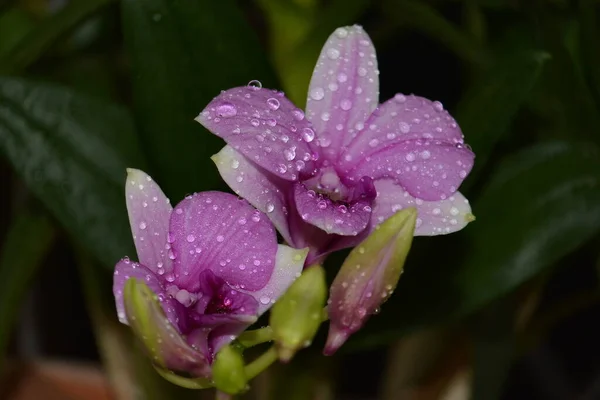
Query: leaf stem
256, 337
261, 363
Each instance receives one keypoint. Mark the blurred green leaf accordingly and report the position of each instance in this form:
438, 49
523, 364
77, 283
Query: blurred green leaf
184, 53
493, 341
14, 25
46, 33
589, 46
427, 20
565, 96
297, 35
539, 205
72, 151
29, 238
487, 110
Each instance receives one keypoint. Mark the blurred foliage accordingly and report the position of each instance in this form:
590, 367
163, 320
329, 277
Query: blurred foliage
89, 88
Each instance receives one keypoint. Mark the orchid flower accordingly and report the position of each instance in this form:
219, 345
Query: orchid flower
213, 263
327, 177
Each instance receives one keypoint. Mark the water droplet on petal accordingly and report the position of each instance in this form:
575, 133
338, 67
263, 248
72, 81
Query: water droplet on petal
404, 127
254, 122
317, 93
298, 114
345, 104
290, 153
265, 300
220, 238
333, 53
438, 106
226, 110
308, 135
400, 98
273, 104
362, 71
142, 225
254, 84
341, 33
190, 238
270, 208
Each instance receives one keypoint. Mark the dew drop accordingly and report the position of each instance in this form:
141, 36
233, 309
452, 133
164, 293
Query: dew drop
342, 77
142, 225
190, 238
226, 110
298, 114
333, 54
317, 93
254, 122
254, 84
273, 104
400, 98
404, 127
220, 238
290, 153
362, 71
270, 208
341, 33
265, 300
308, 135
345, 104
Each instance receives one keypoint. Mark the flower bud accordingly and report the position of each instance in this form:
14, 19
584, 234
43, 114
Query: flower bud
368, 277
163, 343
228, 371
297, 315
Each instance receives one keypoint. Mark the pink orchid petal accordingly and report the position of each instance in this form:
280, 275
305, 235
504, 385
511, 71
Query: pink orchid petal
434, 217
126, 269
427, 169
344, 88
402, 118
262, 189
330, 216
264, 126
149, 212
288, 266
219, 231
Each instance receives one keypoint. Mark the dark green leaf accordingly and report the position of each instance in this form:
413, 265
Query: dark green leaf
29, 239
184, 53
39, 39
72, 152
541, 204
489, 107
424, 18
590, 48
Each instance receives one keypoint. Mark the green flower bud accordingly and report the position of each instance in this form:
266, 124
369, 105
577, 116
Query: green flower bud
297, 315
368, 276
228, 371
162, 342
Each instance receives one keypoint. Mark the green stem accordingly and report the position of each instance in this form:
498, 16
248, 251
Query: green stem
255, 337
261, 363
187, 383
